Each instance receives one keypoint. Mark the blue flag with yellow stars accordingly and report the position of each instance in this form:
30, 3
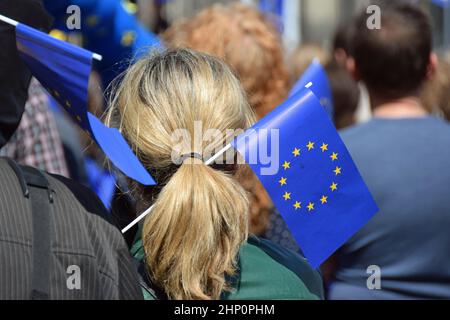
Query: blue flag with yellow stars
302, 162
320, 85
110, 28
64, 69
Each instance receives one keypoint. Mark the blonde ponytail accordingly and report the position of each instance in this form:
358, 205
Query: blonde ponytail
194, 233
200, 217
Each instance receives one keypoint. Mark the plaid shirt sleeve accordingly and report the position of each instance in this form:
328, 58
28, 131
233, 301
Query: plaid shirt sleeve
36, 142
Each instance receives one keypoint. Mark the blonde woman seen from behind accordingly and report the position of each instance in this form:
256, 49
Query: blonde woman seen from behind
195, 242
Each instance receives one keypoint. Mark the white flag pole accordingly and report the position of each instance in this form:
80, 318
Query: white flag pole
15, 23
147, 212
8, 20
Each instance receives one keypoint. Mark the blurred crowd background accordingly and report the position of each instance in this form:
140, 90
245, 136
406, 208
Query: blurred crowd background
304, 20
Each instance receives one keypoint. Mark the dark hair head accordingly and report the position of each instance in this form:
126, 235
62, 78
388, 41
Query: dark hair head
346, 95
343, 37
393, 61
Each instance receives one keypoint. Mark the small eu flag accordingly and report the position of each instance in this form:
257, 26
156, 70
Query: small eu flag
310, 177
64, 69
320, 85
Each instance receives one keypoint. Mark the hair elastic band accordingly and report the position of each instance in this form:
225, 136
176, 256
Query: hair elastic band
192, 155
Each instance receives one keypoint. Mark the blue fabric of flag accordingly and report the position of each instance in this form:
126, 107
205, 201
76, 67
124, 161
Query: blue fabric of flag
317, 75
64, 69
315, 186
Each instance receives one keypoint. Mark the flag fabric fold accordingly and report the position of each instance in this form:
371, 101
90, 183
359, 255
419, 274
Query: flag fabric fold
316, 186
64, 70
320, 85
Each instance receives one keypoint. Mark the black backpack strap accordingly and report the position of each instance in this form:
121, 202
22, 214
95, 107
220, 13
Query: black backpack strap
36, 187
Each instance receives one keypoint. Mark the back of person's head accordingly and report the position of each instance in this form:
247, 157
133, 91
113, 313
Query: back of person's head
200, 215
346, 95
436, 92
303, 56
342, 43
245, 39
393, 61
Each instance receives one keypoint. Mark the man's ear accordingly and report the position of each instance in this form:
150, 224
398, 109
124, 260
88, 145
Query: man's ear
433, 64
353, 69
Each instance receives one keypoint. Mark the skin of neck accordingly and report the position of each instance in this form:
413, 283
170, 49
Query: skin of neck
409, 106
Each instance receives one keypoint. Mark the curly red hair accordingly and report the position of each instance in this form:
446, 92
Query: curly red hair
246, 40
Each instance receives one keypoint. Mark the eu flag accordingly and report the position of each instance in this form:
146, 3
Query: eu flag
108, 28
64, 69
320, 85
305, 167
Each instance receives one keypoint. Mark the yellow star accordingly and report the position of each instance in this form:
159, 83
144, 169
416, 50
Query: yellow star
56, 93
287, 196
324, 200
338, 171
334, 156
296, 152
92, 21
286, 165
334, 186
324, 147
283, 181
298, 205
79, 119
310, 206
68, 104
128, 38
310, 146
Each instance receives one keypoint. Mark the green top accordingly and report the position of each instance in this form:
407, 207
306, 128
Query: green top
266, 272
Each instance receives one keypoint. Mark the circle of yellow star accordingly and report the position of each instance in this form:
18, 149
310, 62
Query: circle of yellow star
283, 181
310, 206
287, 196
324, 147
334, 156
338, 171
324, 199
298, 205
286, 165
334, 186
296, 152
310, 146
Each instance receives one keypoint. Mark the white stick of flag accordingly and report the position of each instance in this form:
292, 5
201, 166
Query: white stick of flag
15, 23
